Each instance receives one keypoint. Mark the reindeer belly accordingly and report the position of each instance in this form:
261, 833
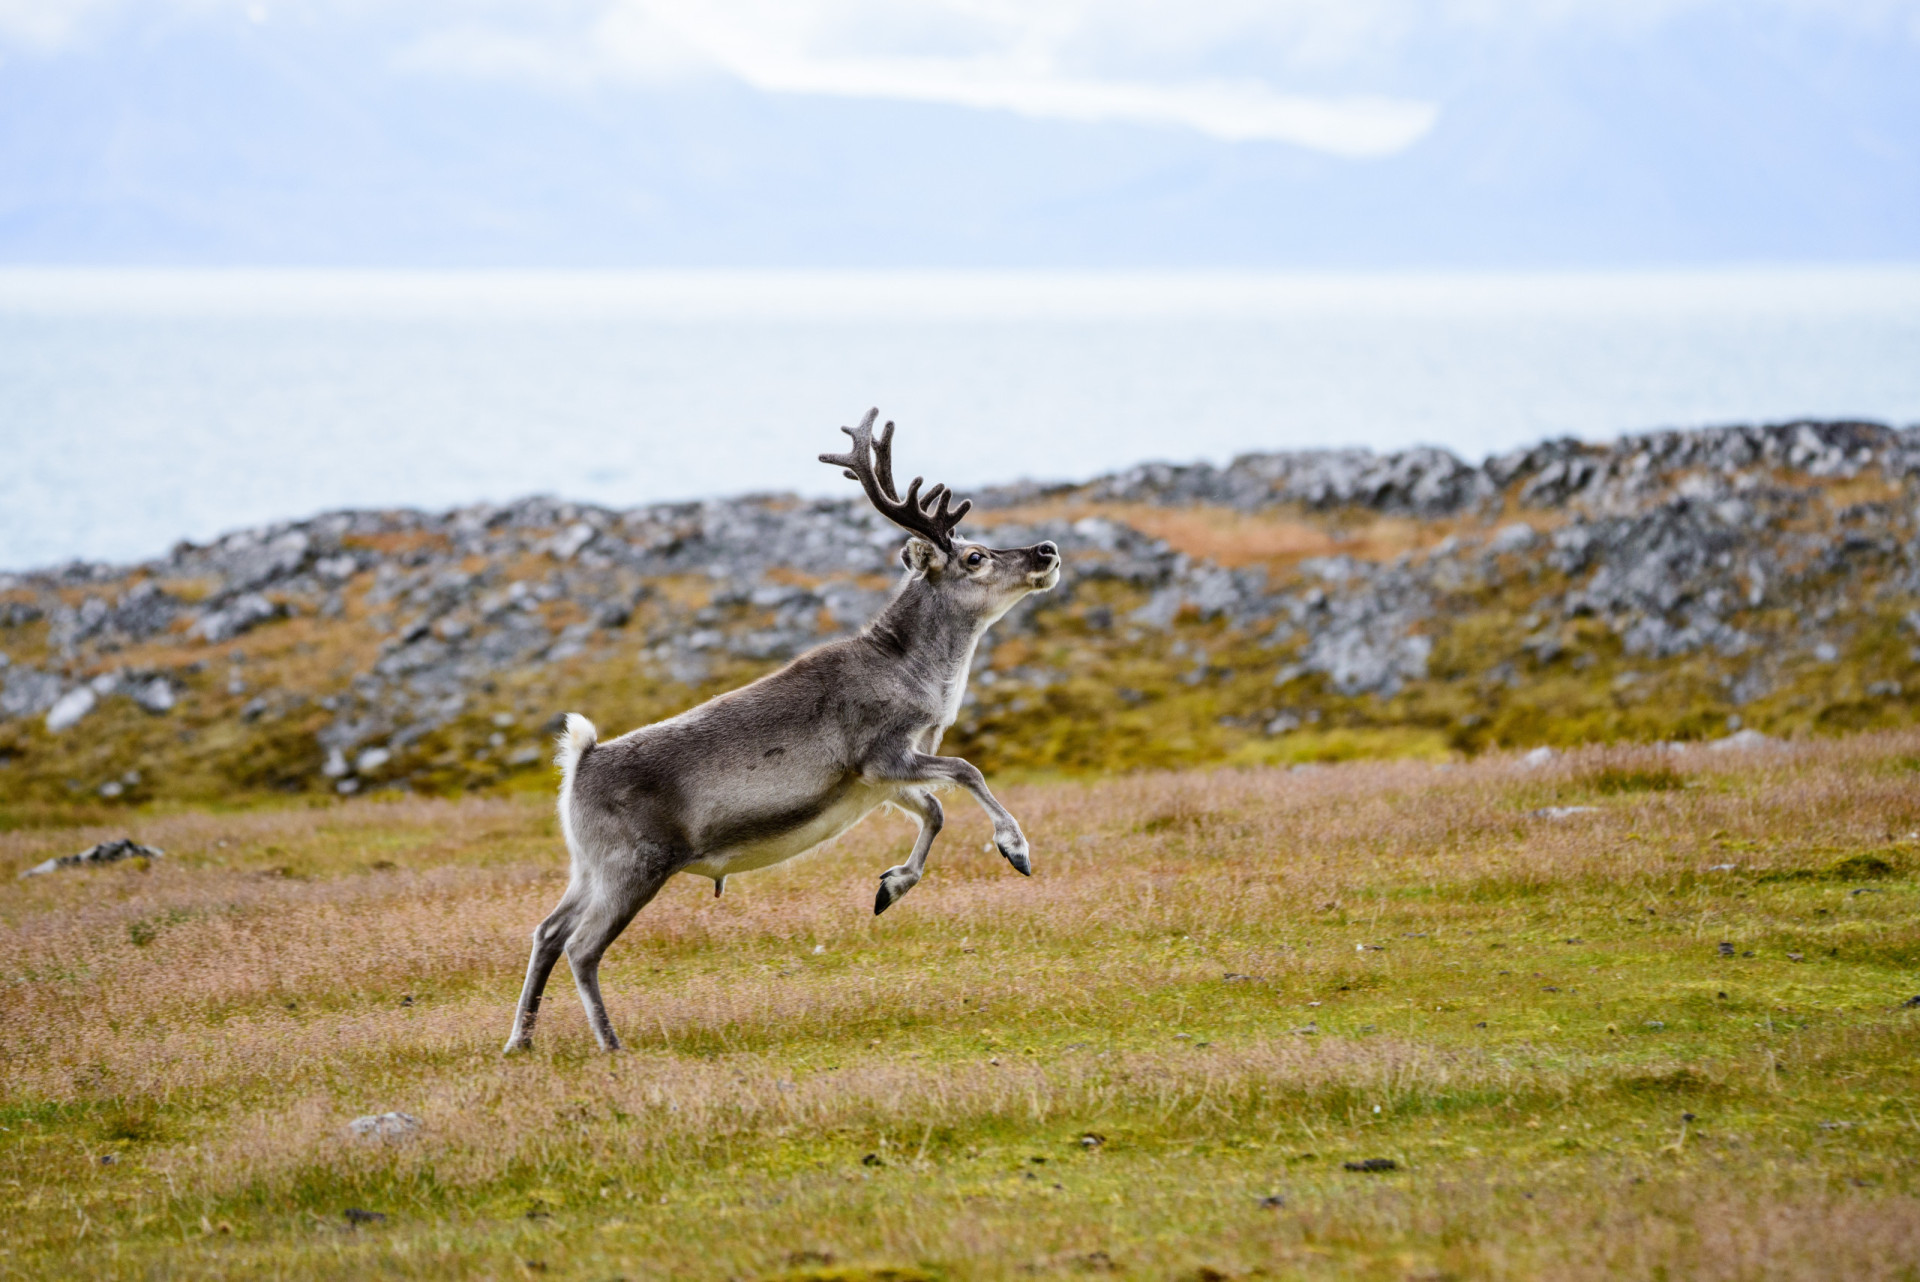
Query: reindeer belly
764, 852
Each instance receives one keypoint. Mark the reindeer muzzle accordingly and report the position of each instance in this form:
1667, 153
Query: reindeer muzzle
1047, 558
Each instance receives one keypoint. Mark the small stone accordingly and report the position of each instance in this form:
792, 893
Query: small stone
356, 1216
1726, 948
1517, 537
240, 615
1538, 757
1372, 1164
155, 696
569, 541
70, 707
1748, 740
371, 760
384, 1126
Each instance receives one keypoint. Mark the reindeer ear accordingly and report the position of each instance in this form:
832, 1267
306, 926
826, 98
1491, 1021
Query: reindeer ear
922, 557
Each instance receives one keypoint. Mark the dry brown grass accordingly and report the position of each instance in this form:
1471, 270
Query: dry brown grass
1233, 538
1238, 980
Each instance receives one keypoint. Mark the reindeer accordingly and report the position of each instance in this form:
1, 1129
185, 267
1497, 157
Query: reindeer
791, 761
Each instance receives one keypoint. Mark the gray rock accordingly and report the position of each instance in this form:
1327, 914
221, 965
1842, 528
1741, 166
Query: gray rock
1748, 740
70, 707
1517, 537
155, 696
1362, 636
107, 852
28, 691
241, 614
567, 544
252, 562
17, 614
143, 611
386, 1127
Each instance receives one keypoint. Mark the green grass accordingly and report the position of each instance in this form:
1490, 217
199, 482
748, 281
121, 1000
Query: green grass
1156, 1058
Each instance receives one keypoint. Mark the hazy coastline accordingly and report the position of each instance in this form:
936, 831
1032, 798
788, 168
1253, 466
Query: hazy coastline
141, 407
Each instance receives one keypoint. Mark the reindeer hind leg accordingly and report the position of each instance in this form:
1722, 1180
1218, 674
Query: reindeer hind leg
596, 928
549, 938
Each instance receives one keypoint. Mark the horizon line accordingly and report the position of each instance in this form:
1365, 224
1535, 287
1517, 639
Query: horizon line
837, 293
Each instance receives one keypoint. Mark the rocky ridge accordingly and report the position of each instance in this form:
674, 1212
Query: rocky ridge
1759, 548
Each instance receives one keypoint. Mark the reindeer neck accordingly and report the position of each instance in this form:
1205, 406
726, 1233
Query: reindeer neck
921, 628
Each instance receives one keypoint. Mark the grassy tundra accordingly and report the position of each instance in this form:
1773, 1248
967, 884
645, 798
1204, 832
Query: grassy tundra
1156, 1058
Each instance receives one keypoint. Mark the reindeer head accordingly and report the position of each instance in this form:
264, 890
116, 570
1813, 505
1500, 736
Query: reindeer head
979, 581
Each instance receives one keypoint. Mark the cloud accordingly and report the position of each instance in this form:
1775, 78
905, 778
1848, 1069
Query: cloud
45, 25
1357, 78
995, 58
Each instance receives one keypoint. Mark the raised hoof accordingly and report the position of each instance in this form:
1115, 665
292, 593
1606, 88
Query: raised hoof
1017, 856
894, 882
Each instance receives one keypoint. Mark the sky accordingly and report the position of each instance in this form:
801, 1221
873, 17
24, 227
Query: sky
1345, 134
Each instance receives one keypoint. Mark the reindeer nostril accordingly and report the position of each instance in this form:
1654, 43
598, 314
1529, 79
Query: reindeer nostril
1049, 549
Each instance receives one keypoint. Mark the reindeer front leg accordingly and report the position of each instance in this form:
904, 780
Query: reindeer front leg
928, 771
897, 881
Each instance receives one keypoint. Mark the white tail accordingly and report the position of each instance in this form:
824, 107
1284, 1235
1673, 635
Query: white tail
573, 742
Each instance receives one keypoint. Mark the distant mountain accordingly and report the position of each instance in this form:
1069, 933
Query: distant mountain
1717, 132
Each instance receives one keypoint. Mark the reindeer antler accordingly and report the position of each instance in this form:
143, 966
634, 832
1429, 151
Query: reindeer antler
870, 462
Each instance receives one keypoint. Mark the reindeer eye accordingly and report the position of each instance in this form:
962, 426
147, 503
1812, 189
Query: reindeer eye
974, 558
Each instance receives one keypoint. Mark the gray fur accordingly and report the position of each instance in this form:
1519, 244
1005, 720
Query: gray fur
775, 768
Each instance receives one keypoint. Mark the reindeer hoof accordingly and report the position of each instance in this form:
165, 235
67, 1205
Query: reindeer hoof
517, 1045
1016, 854
894, 882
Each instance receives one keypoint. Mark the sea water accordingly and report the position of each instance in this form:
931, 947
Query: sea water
141, 407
